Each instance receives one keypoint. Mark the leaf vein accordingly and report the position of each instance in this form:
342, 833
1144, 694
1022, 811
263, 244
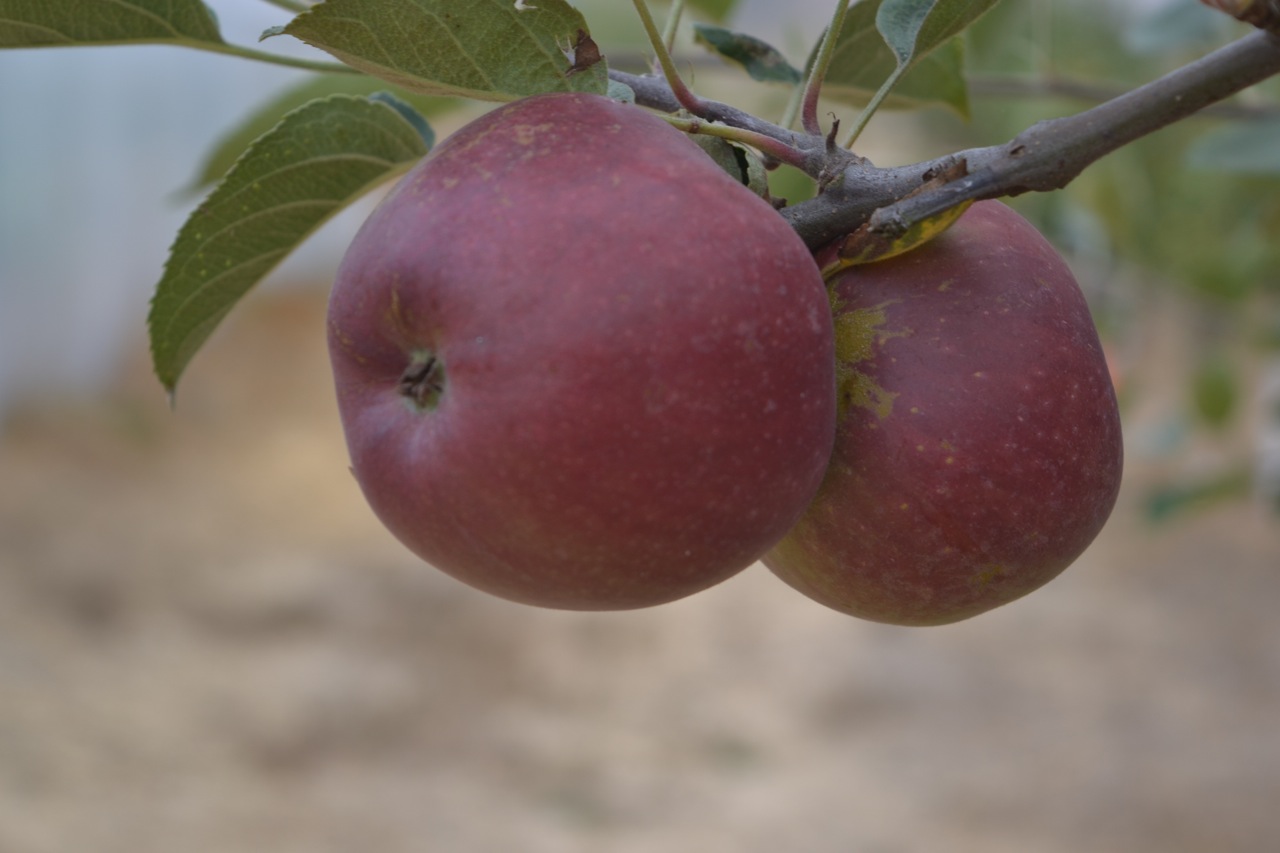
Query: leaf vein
38, 28
146, 13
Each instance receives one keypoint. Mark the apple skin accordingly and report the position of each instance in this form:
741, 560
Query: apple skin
637, 397
979, 450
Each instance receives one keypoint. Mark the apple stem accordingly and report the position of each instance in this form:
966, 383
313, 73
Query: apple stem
422, 382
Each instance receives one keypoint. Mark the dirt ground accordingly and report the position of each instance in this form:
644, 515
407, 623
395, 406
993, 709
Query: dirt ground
208, 645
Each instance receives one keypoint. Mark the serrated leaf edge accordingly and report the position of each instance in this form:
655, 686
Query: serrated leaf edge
181, 355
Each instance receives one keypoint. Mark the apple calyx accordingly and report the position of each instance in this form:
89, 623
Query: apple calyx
422, 382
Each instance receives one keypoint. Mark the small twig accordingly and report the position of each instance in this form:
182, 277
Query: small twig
818, 73
683, 94
673, 24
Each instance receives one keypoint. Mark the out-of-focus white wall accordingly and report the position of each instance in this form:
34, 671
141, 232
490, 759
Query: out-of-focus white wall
96, 146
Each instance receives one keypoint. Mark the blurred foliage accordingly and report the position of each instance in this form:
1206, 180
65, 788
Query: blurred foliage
1210, 231
616, 28
1246, 148
1166, 502
1192, 211
1215, 390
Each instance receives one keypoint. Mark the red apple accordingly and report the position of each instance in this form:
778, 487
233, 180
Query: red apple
577, 364
978, 451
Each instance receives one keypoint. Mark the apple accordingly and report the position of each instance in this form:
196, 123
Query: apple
978, 451
577, 364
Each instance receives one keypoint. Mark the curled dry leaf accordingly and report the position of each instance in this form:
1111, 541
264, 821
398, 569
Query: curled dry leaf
584, 54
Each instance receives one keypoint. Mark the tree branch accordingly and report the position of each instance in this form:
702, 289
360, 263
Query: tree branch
1046, 156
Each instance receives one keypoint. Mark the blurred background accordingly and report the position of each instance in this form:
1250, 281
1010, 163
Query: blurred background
208, 644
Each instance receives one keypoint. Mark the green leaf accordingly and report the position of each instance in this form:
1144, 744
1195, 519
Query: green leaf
415, 119
55, 23
493, 50
884, 40
1245, 148
862, 62
319, 159
762, 61
738, 161
621, 92
900, 23
229, 147
912, 28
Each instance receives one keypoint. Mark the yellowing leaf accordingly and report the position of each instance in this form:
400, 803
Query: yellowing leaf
865, 246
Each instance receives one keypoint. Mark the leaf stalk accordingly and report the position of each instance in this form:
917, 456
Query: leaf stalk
673, 25
687, 99
818, 73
